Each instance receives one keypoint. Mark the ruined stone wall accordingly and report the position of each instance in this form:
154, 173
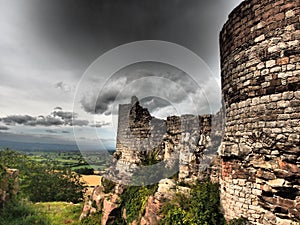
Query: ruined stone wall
186, 139
138, 134
260, 61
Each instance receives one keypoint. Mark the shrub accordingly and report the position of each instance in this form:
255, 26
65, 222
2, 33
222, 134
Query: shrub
85, 171
239, 221
134, 199
95, 219
19, 213
201, 207
108, 185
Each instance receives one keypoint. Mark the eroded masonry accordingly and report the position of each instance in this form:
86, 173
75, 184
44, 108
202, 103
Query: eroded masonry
187, 142
260, 61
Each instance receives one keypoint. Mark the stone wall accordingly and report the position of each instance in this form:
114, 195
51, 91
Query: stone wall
138, 134
186, 139
260, 61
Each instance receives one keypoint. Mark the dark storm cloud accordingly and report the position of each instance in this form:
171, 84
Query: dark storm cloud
4, 128
100, 105
64, 115
100, 102
159, 83
19, 119
56, 118
84, 29
46, 121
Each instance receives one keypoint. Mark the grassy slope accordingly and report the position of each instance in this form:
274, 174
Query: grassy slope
51, 213
58, 213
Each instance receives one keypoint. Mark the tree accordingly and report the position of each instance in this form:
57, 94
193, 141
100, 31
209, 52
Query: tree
44, 181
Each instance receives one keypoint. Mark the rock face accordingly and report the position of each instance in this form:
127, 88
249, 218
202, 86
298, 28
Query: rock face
106, 203
109, 204
165, 192
260, 83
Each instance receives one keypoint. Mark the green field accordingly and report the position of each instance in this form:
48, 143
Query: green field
49, 192
57, 213
73, 159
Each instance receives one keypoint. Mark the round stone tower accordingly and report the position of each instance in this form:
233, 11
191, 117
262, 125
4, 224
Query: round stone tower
260, 61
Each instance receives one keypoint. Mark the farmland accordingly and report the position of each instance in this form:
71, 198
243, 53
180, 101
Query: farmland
49, 192
75, 160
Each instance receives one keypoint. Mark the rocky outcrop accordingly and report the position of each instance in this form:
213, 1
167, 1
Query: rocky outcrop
106, 203
165, 192
111, 208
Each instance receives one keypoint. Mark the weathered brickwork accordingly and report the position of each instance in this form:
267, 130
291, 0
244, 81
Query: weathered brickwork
260, 61
185, 139
138, 134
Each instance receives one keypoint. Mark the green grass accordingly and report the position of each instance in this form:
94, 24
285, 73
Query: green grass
72, 159
23, 212
58, 213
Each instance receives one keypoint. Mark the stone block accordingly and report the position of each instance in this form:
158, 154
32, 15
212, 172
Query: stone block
270, 63
276, 182
297, 95
260, 38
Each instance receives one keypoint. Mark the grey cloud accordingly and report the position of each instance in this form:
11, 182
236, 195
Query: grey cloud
64, 115
79, 123
19, 119
67, 24
175, 85
56, 118
100, 105
47, 121
51, 131
56, 41
4, 128
101, 124
66, 132
152, 103
64, 87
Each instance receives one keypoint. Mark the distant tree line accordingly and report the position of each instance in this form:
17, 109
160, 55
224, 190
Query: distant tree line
85, 171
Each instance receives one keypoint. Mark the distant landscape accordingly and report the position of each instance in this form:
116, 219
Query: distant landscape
50, 186
64, 155
39, 146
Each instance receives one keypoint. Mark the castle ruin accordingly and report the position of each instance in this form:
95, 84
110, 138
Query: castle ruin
251, 147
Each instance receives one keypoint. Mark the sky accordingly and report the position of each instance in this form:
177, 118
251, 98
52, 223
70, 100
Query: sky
53, 87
